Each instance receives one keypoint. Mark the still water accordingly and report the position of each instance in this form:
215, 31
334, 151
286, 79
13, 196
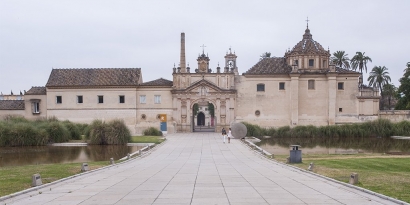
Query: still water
280, 146
17, 156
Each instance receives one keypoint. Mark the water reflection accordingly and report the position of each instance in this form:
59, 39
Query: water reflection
325, 145
17, 156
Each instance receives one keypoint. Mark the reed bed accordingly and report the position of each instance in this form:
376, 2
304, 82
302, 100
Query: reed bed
380, 128
18, 131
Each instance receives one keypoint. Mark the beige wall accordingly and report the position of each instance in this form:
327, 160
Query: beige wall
151, 110
273, 103
29, 109
395, 115
90, 109
6, 113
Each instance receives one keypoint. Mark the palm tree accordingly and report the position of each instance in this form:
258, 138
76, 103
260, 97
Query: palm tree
379, 77
340, 59
389, 91
265, 55
359, 61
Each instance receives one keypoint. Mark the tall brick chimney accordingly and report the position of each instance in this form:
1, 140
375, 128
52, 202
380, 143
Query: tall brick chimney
182, 60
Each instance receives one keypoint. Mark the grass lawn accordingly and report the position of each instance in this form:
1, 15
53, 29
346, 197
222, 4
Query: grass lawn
385, 174
147, 139
18, 178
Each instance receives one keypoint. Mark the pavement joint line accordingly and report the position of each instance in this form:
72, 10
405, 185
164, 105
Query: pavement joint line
333, 180
78, 175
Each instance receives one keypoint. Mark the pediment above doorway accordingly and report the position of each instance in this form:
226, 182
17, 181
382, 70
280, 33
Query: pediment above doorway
203, 88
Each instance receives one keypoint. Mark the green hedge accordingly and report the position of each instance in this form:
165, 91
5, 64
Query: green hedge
152, 131
378, 128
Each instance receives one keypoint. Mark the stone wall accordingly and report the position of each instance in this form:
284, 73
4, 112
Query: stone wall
395, 115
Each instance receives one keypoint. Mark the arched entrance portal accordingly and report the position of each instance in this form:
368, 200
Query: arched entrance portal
203, 119
200, 119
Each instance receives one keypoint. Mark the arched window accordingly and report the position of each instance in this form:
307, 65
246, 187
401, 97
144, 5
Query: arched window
260, 87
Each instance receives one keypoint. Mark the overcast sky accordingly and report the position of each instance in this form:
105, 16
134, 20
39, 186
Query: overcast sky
36, 36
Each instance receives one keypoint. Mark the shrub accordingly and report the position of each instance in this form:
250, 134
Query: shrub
114, 132
73, 130
57, 132
117, 132
152, 131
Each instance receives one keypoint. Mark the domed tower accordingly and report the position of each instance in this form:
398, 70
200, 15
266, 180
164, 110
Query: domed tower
203, 63
308, 55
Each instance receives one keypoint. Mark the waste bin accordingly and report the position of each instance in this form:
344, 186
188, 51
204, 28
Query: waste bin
295, 154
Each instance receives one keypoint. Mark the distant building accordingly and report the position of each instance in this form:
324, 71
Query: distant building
301, 88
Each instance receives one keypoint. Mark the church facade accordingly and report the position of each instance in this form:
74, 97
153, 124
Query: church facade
300, 88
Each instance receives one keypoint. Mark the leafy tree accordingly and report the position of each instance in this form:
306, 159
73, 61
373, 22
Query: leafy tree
403, 93
389, 92
340, 59
379, 77
195, 109
265, 55
211, 109
359, 61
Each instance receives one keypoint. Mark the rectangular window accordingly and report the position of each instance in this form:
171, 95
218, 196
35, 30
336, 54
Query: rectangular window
36, 107
311, 84
340, 109
340, 86
311, 62
122, 99
79, 99
100, 99
143, 99
281, 86
157, 99
59, 99
324, 64
260, 87
296, 62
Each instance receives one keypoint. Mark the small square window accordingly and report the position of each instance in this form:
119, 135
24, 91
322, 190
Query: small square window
100, 99
311, 84
281, 86
79, 99
143, 99
311, 62
157, 99
122, 99
340, 86
59, 99
340, 109
260, 87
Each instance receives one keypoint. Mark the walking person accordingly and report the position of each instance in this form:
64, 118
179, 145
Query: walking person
229, 135
223, 134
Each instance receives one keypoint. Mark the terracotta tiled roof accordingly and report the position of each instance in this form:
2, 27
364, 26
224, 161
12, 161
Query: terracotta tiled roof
12, 105
158, 82
36, 91
94, 77
275, 65
308, 45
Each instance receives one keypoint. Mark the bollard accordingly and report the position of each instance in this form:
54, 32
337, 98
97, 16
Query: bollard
311, 165
128, 156
229, 139
354, 178
287, 160
112, 161
84, 167
36, 180
140, 152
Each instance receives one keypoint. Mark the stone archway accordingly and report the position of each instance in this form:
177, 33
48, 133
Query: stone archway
200, 119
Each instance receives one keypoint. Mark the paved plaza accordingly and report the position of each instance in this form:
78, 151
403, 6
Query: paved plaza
192, 168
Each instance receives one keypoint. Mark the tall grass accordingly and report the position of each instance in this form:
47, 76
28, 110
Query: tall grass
114, 132
18, 131
381, 128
